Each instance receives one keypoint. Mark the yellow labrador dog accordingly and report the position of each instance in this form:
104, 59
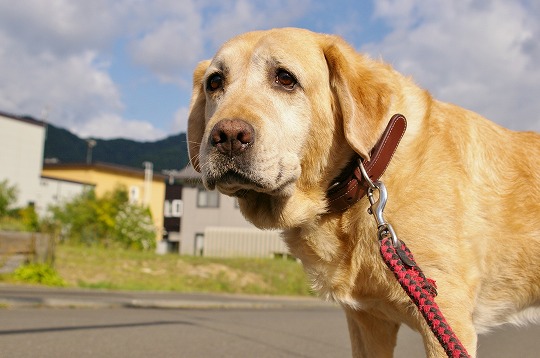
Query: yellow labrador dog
276, 116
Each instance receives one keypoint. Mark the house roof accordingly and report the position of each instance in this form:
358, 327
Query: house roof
188, 175
26, 119
101, 166
67, 180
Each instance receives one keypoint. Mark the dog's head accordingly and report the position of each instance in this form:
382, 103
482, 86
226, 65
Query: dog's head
276, 115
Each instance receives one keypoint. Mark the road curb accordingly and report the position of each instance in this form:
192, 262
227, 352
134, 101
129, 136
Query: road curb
35, 297
148, 304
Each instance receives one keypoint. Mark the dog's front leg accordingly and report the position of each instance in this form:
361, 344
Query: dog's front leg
371, 337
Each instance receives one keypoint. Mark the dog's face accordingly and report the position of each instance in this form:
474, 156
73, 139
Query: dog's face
268, 117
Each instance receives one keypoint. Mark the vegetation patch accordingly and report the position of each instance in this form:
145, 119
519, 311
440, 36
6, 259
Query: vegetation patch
38, 274
114, 268
110, 221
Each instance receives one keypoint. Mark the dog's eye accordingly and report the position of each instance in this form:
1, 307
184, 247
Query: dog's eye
285, 79
214, 82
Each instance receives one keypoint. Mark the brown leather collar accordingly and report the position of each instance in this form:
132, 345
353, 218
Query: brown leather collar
350, 187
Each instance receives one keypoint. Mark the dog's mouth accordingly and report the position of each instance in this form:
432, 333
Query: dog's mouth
233, 182
238, 184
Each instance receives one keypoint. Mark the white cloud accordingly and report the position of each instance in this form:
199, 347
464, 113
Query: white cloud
231, 18
60, 26
110, 126
71, 86
53, 59
60, 54
180, 120
189, 31
482, 55
173, 44
57, 54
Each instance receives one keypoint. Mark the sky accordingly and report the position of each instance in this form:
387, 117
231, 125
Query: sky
123, 68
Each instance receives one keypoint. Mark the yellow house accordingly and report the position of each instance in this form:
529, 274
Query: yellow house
144, 187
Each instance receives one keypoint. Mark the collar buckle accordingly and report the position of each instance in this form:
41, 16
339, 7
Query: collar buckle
352, 185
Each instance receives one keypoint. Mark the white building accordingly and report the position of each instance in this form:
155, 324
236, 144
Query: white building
22, 141
54, 191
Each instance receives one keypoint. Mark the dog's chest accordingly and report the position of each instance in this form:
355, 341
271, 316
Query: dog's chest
342, 269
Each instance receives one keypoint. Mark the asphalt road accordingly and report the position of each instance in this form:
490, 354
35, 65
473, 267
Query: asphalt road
64, 323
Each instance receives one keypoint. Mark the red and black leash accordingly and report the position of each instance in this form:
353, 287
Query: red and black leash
400, 260
422, 292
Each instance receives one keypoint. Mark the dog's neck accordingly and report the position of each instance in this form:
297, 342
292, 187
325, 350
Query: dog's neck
350, 186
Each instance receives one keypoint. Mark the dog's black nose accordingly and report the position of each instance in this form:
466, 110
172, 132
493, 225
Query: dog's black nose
232, 136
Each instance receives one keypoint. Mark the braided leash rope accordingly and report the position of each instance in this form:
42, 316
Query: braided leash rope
422, 291
400, 260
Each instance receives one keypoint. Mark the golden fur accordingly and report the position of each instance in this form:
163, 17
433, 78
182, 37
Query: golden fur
464, 193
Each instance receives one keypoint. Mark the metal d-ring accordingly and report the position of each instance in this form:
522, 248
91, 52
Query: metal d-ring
365, 175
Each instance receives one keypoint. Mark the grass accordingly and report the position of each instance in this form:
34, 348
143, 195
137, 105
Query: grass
100, 268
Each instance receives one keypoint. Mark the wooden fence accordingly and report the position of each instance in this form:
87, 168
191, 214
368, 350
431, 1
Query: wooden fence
17, 248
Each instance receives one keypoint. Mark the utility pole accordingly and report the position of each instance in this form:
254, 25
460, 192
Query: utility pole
148, 172
90, 145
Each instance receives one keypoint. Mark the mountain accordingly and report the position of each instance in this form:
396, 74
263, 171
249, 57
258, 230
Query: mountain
168, 153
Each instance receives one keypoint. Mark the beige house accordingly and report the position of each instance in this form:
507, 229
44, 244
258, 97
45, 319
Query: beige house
144, 187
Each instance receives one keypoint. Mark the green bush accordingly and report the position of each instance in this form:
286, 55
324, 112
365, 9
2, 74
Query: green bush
134, 228
29, 218
10, 223
15, 219
38, 273
8, 196
109, 220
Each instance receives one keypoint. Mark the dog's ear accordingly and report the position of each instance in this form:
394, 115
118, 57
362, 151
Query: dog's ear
196, 119
359, 88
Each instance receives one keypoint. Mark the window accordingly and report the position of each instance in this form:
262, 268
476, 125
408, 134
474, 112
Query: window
199, 245
134, 195
207, 199
173, 208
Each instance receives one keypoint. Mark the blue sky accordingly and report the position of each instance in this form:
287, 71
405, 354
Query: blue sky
122, 68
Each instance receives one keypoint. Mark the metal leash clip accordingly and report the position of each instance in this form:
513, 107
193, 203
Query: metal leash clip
376, 209
384, 228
